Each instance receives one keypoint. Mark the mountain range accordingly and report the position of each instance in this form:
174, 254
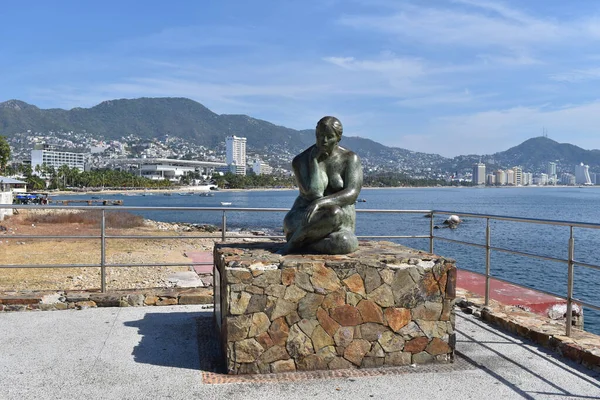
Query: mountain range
150, 118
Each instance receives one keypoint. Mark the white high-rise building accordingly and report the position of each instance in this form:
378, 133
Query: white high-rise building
510, 177
551, 171
582, 174
518, 177
236, 153
500, 177
57, 159
479, 174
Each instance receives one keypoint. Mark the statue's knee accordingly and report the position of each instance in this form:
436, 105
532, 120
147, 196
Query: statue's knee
345, 242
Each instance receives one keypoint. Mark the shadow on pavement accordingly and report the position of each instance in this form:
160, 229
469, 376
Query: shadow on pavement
179, 339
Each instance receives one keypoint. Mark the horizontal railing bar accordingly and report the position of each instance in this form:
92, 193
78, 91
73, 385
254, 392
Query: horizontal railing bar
49, 237
157, 265
50, 266
371, 211
482, 246
394, 237
586, 304
521, 253
582, 264
519, 285
139, 208
178, 237
245, 209
106, 265
522, 219
167, 208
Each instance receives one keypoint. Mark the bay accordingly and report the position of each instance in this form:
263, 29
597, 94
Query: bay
559, 203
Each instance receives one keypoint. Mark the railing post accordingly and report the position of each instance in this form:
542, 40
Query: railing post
431, 233
488, 243
570, 282
103, 252
223, 226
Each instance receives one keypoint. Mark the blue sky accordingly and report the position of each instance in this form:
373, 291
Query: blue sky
439, 76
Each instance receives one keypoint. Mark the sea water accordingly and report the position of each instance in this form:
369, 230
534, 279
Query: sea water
560, 203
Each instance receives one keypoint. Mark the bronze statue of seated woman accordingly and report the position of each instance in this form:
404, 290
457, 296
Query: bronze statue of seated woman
329, 177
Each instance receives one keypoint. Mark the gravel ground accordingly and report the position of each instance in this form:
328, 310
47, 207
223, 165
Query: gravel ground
19, 251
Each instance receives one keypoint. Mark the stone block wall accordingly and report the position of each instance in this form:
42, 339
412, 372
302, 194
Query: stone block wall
383, 305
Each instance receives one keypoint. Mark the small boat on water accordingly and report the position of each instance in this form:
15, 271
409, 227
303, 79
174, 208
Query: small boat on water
225, 203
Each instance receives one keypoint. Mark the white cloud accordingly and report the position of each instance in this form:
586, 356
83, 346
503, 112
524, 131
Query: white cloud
578, 75
405, 67
515, 60
459, 27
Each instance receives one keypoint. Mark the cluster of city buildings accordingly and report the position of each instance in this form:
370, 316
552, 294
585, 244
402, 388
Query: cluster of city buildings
44, 156
515, 176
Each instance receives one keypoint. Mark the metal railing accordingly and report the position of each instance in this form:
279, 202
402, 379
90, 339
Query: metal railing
431, 237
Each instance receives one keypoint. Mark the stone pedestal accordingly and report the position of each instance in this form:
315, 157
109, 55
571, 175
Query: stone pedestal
383, 305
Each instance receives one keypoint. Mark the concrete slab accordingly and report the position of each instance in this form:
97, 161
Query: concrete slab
185, 279
167, 352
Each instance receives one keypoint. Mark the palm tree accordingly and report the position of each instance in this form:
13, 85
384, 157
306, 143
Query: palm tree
63, 171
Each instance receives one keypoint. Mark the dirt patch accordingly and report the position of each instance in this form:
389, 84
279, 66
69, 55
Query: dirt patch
82, 251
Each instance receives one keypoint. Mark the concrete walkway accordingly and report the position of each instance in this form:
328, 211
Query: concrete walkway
169, 352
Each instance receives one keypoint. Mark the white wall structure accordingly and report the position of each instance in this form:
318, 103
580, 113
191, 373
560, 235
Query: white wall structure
236, 153
5, 198
582, 175
57, 159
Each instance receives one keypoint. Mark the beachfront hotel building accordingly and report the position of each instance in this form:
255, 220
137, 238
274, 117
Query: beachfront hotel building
169, 169
479, 174
260, 167
236, 153
582, 174
500, 177
56, 159
518, 176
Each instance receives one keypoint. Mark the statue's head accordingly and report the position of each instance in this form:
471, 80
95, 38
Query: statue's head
329, 133
331, 124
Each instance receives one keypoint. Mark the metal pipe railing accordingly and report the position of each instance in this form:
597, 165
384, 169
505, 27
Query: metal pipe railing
103, 236
487, 261
103, 252
570, 282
